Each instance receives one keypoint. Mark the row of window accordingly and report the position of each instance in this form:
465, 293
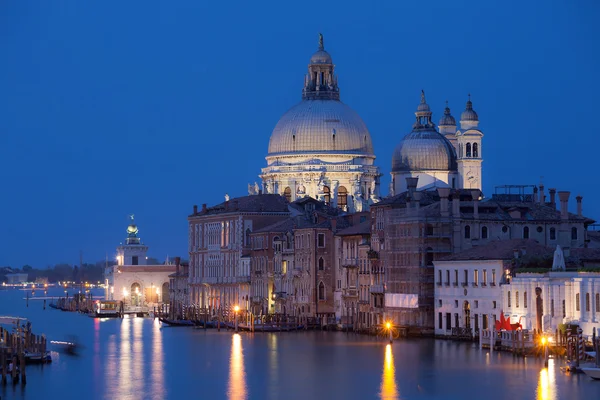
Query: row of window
485, 233
472, 150
467, 321
342, 194
475, 303
475, 281
577, 302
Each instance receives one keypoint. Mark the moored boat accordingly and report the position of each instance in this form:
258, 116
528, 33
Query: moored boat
178, 322
38, 358
592, 372
106, 309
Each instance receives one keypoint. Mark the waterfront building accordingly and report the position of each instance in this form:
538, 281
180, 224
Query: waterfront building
178, 288
132, 280
321, 147
219, 248
16, 278
567, 293
355, 299
468, 285
415, 228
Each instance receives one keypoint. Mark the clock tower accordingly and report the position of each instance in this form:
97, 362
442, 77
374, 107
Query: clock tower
469, 157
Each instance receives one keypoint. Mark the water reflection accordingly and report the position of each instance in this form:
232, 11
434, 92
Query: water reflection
273, 366
156, 372
546, 389
237, 377
388, 377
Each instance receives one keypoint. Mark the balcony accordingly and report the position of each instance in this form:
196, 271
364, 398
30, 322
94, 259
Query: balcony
350, 263
377, 289
257, 299
302, 299
350, 292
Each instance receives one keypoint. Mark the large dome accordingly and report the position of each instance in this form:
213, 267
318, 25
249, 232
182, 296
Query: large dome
424, 150
320, 126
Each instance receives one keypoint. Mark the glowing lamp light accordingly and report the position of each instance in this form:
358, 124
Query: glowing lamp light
543, 340
388, 325
137, 290
157, 291
236, 308
124, 292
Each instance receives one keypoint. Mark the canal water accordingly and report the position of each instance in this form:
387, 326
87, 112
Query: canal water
139, 358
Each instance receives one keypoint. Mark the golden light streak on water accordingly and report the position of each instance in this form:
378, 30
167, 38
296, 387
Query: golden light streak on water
157, 366
546, 389
389, 390
237, 388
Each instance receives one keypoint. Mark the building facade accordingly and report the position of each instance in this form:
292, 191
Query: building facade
132, 280
219, 248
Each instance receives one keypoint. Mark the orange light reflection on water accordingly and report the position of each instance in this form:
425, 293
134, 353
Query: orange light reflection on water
389, 390
237, 377
546, 389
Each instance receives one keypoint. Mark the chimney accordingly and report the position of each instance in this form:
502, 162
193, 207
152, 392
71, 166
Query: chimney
333, 224
564, 204
542, 194
535, 195
195, 209
204, 207
553, 198
411, 184
475, 193
579, 209
443, 193
456, 204
227, 205
177, 263
417, 197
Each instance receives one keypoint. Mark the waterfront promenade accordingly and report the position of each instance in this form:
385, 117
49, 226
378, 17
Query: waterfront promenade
139, 358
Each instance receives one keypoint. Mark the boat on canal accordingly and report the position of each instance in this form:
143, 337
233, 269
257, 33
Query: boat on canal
106, 309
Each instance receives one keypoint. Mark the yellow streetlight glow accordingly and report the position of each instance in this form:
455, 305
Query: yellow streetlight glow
388, 325
543, 340
236, 308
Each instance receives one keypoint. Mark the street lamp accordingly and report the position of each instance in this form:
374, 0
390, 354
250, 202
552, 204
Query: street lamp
388, 326
545, 348
235, 310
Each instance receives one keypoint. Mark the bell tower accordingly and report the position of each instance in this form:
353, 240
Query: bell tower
468, 139
133, 252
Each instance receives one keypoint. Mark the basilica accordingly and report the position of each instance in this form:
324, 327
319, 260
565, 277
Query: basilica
321, 148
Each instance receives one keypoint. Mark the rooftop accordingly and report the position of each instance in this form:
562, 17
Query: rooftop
502, 250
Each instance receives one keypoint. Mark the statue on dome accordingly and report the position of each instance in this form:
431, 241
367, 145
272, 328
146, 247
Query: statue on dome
251, 190
321, 46
226, 197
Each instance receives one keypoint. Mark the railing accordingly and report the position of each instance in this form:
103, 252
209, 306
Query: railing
350, 292
257, 299
483, 284
465, 284
377, 288
301, 299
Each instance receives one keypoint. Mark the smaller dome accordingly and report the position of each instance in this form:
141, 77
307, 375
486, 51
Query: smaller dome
424, 150
321, 57
447, 118
469, 114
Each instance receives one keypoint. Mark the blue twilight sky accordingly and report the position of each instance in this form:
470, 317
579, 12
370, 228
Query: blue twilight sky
148, 107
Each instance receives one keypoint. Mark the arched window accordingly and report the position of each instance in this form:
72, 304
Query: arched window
484, 232
321, 291
468, 149
573, 233
460, 150
248, 237
526, 232
475, 150
287, 193
136, 294
321, 264
467, 232
342, 200
326, 194
552, 233
508, 298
